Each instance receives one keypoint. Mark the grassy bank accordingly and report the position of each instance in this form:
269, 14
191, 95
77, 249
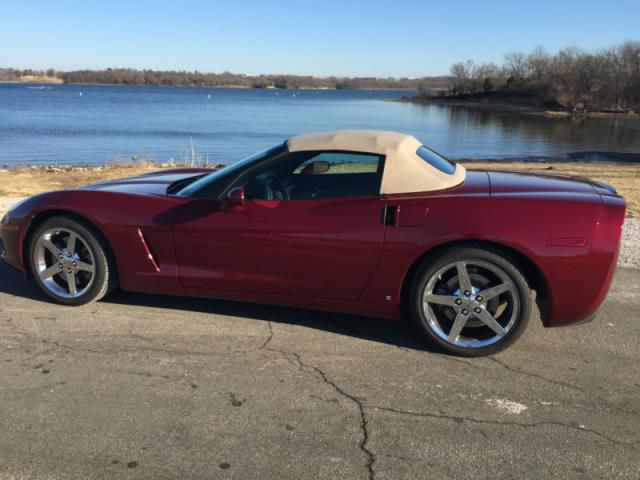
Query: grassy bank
35, 79
27, 181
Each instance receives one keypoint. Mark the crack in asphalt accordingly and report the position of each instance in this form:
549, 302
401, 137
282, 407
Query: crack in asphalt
141, 337
270, 336
135, 348
37, 339
38, 354
296, 360
318, 372
382, 339
536, 375
364, 424
562, 384
367, 335
460, 419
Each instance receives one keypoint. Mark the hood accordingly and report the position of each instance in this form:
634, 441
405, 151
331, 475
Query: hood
155, 183
520, 182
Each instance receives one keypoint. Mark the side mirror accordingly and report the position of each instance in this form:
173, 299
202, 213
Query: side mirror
319, 166
235, 198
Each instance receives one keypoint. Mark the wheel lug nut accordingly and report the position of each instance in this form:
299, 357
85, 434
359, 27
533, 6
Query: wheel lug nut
60, 255
476, 310
60, 266
465, 312
458, 302
467, 293
75, 264
478, 299
68, 270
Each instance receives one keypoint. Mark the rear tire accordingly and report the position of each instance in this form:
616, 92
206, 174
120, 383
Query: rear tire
70, 261
470, 302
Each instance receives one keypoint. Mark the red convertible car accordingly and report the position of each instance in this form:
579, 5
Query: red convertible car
364, 222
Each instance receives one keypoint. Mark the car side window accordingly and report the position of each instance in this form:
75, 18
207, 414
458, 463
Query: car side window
317, 175
333, 163
336, 175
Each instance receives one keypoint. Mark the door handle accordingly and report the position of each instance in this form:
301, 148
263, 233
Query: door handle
390, 215
410, 215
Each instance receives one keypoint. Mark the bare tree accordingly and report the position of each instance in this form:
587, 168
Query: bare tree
516, 68
462, 74
607, 79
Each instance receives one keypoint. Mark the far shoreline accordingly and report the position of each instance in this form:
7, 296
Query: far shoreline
212, 87
509, 108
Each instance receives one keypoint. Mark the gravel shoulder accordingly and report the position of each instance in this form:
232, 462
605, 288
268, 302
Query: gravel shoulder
629, 253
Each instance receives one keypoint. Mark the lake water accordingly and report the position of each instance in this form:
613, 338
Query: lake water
97, 124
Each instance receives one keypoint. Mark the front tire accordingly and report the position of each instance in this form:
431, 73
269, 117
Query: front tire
70, 262
470, 301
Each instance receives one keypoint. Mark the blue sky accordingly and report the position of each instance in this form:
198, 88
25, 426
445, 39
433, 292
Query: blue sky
348, 37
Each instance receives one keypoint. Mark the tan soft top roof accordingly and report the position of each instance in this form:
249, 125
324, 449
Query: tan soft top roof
404, 170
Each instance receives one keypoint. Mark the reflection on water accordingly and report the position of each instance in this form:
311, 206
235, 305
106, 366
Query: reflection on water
94, 124
540, 135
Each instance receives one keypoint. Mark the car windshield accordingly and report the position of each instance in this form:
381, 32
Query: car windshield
190, 189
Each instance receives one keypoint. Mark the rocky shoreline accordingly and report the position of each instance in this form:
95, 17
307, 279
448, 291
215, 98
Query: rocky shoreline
507, 107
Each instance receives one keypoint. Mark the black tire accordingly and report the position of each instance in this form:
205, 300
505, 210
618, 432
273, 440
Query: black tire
467, 255
104, 279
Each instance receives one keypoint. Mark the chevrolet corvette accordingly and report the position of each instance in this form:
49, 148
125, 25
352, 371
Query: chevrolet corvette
369, 223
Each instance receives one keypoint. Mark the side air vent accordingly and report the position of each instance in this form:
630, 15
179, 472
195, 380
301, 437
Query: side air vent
150, 255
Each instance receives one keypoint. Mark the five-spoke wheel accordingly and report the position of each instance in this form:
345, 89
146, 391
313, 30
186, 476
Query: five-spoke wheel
64, 262
471, 301
69, 261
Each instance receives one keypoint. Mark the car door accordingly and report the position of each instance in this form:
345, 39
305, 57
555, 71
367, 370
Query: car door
322, 240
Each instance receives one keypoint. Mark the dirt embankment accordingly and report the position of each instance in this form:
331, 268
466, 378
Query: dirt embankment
26, 181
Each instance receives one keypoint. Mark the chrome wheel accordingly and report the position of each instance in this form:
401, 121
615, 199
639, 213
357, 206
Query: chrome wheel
470, 303
64, 262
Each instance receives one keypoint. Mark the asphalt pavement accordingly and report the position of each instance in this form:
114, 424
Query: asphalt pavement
141, 386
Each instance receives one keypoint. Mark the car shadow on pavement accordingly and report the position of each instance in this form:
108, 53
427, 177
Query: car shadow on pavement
13, 282
397, 333
400, 334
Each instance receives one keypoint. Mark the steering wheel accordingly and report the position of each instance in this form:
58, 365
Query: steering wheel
273, 189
